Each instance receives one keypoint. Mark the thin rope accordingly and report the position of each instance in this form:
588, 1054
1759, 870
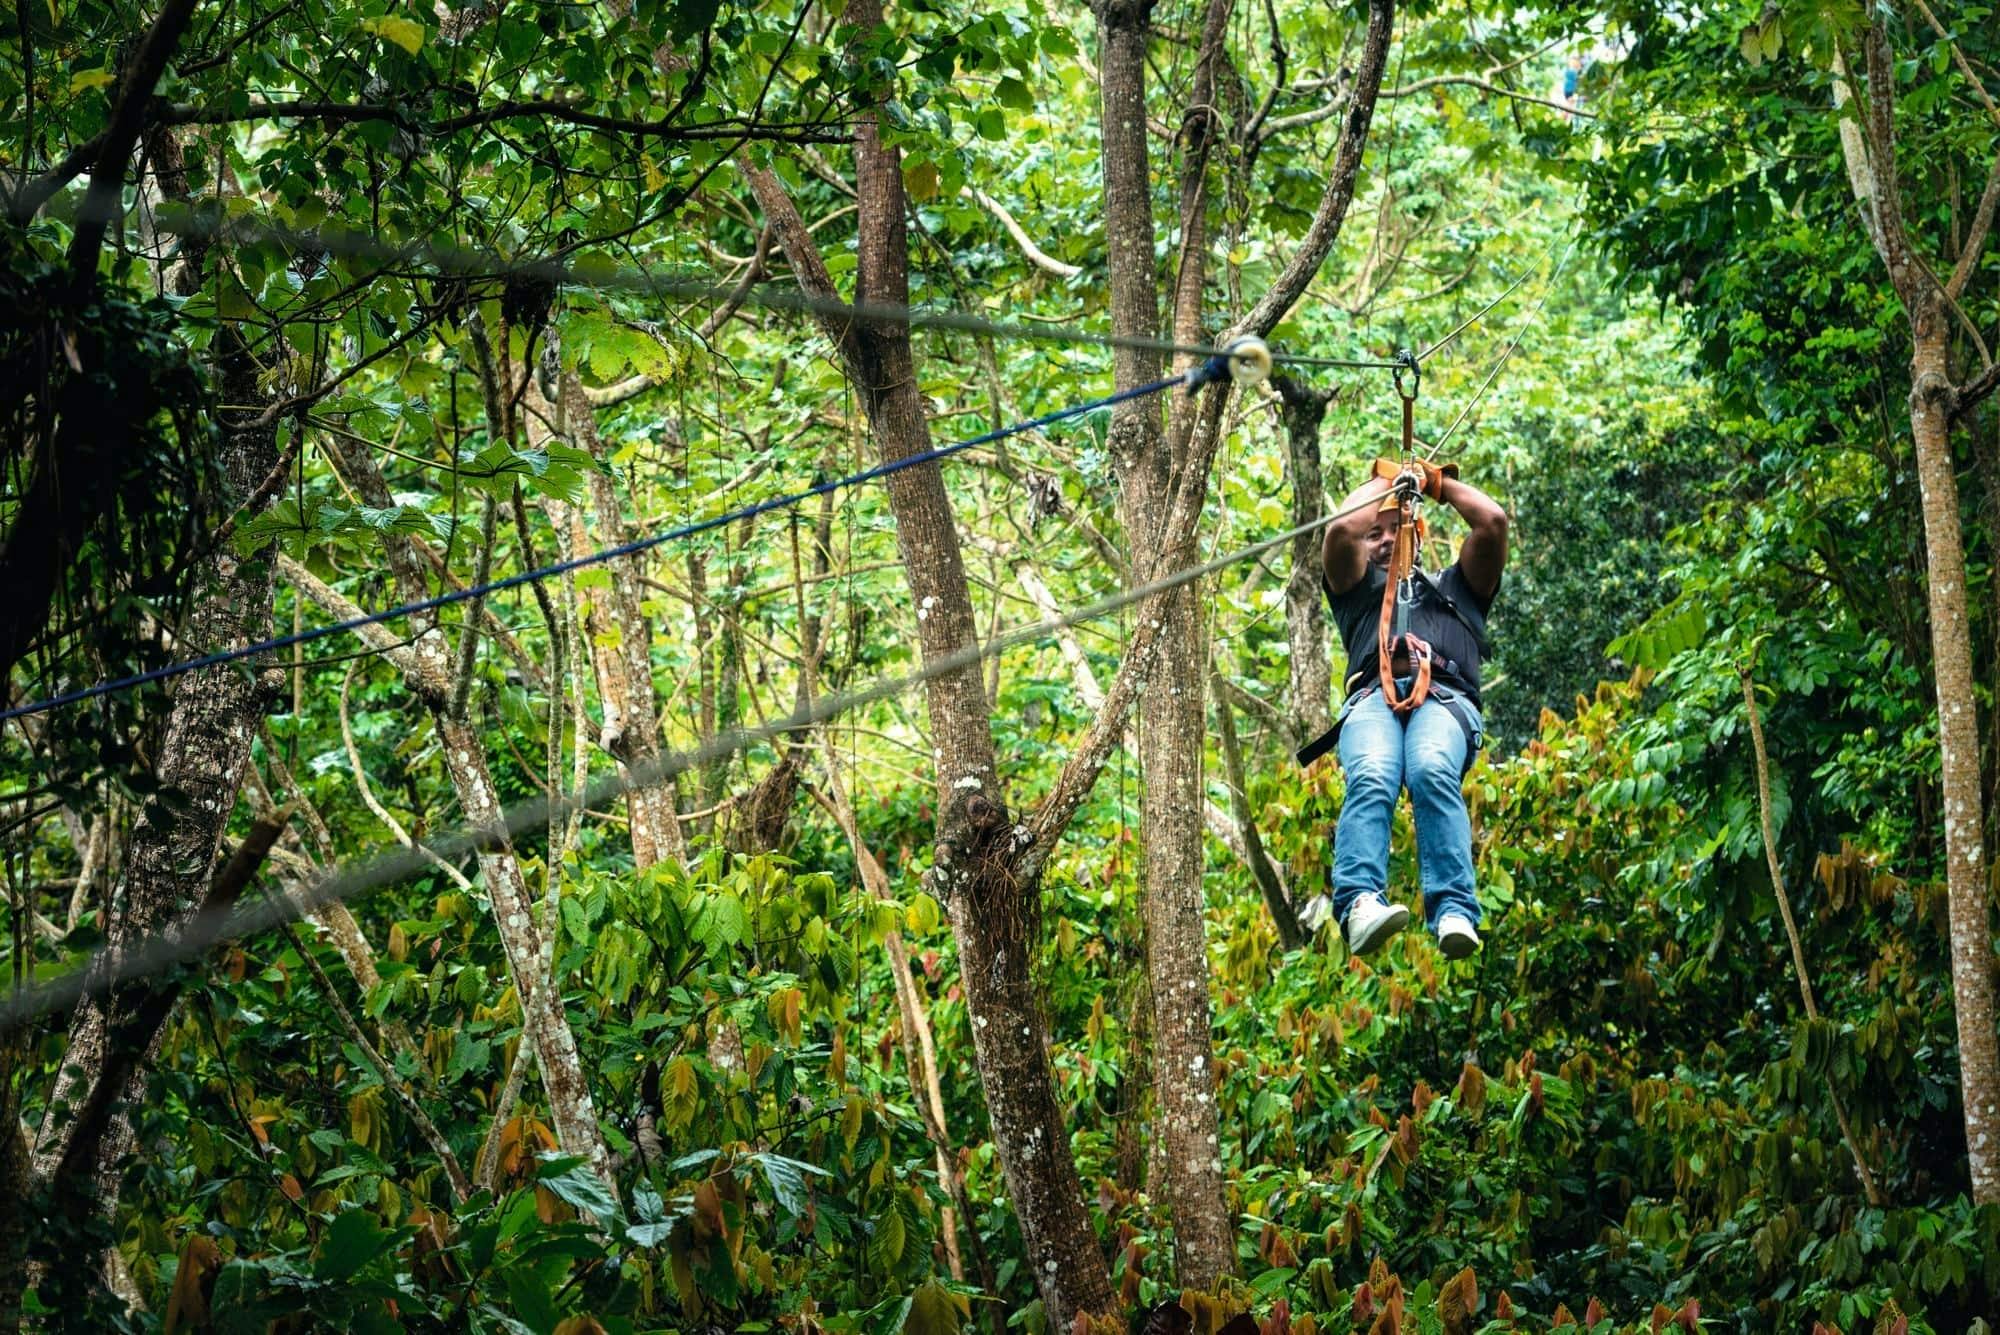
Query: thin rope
108, 965
453, 596
1508, 351
1436, 347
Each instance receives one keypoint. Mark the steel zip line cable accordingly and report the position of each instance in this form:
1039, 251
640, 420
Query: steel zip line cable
108, 966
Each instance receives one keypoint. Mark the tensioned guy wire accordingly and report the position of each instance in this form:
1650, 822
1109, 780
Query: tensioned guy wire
1195, 376
1515, 342
108, 966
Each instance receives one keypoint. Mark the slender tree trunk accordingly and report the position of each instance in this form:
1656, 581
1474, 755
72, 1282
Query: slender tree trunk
1290, 932
427, 666
1309, 699
619, 641
1152, 463
1972, 962
1932, 400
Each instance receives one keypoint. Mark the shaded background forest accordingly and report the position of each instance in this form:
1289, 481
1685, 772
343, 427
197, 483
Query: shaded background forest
316, 306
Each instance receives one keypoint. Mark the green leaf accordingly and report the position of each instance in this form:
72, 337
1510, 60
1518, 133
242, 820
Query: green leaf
352, 1241
788, 1180
572, 1181
935, 1310
922, 916
885, 1248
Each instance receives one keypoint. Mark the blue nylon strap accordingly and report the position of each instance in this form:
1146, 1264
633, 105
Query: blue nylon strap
598, 558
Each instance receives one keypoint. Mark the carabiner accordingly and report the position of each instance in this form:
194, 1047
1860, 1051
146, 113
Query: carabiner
1406, 360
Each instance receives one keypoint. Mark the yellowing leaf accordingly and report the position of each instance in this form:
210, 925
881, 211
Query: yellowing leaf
680, 1090
654, 179
920, 179
84, 80
406, 33
922, 916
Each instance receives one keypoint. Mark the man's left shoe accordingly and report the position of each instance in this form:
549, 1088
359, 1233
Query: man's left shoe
1457, 937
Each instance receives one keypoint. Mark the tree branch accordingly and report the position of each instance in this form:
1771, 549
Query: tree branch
113, 148
342, 608
1974, 392
1470, 81
453, 1170
1319, 240
1763, 763
1038, 257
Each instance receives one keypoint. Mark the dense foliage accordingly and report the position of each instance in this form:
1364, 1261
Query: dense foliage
505, 285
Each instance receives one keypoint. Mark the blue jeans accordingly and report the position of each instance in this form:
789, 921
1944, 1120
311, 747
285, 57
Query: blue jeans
1382, 754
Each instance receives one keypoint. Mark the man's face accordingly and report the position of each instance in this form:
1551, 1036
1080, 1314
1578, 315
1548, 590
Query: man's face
1381, 540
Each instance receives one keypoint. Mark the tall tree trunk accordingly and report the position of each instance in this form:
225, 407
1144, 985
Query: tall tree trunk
1152, 464
992, 906
1309, 699
1933, 399
1972, 963
174, 845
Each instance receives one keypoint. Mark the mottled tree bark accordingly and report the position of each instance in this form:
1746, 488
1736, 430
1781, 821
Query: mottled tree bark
1163, 474
1933, 400
992, 908
618, 639
174, 844
426, 665
1151, 463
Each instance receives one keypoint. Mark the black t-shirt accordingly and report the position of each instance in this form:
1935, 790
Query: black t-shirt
1448, 614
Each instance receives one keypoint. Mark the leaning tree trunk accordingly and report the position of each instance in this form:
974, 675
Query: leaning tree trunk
427, 667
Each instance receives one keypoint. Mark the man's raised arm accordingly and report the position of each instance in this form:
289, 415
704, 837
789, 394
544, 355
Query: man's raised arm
1344, 554
1484, 553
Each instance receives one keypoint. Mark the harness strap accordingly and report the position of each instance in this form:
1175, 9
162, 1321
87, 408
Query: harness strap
1390, 634
1453, 704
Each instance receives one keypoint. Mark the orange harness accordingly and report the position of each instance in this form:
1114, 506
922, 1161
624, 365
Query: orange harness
1390, 635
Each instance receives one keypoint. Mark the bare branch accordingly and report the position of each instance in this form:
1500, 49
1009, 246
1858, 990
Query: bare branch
1038, 257
1469, 81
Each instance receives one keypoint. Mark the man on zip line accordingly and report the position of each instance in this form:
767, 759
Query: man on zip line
1423, 734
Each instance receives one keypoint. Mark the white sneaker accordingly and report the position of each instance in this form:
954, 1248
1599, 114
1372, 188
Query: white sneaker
1457, 937
1371, 920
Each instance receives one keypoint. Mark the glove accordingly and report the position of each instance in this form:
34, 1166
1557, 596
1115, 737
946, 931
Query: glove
1432, 475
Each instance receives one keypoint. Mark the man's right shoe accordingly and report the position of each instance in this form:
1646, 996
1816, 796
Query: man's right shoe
1372, 920
1457, 937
